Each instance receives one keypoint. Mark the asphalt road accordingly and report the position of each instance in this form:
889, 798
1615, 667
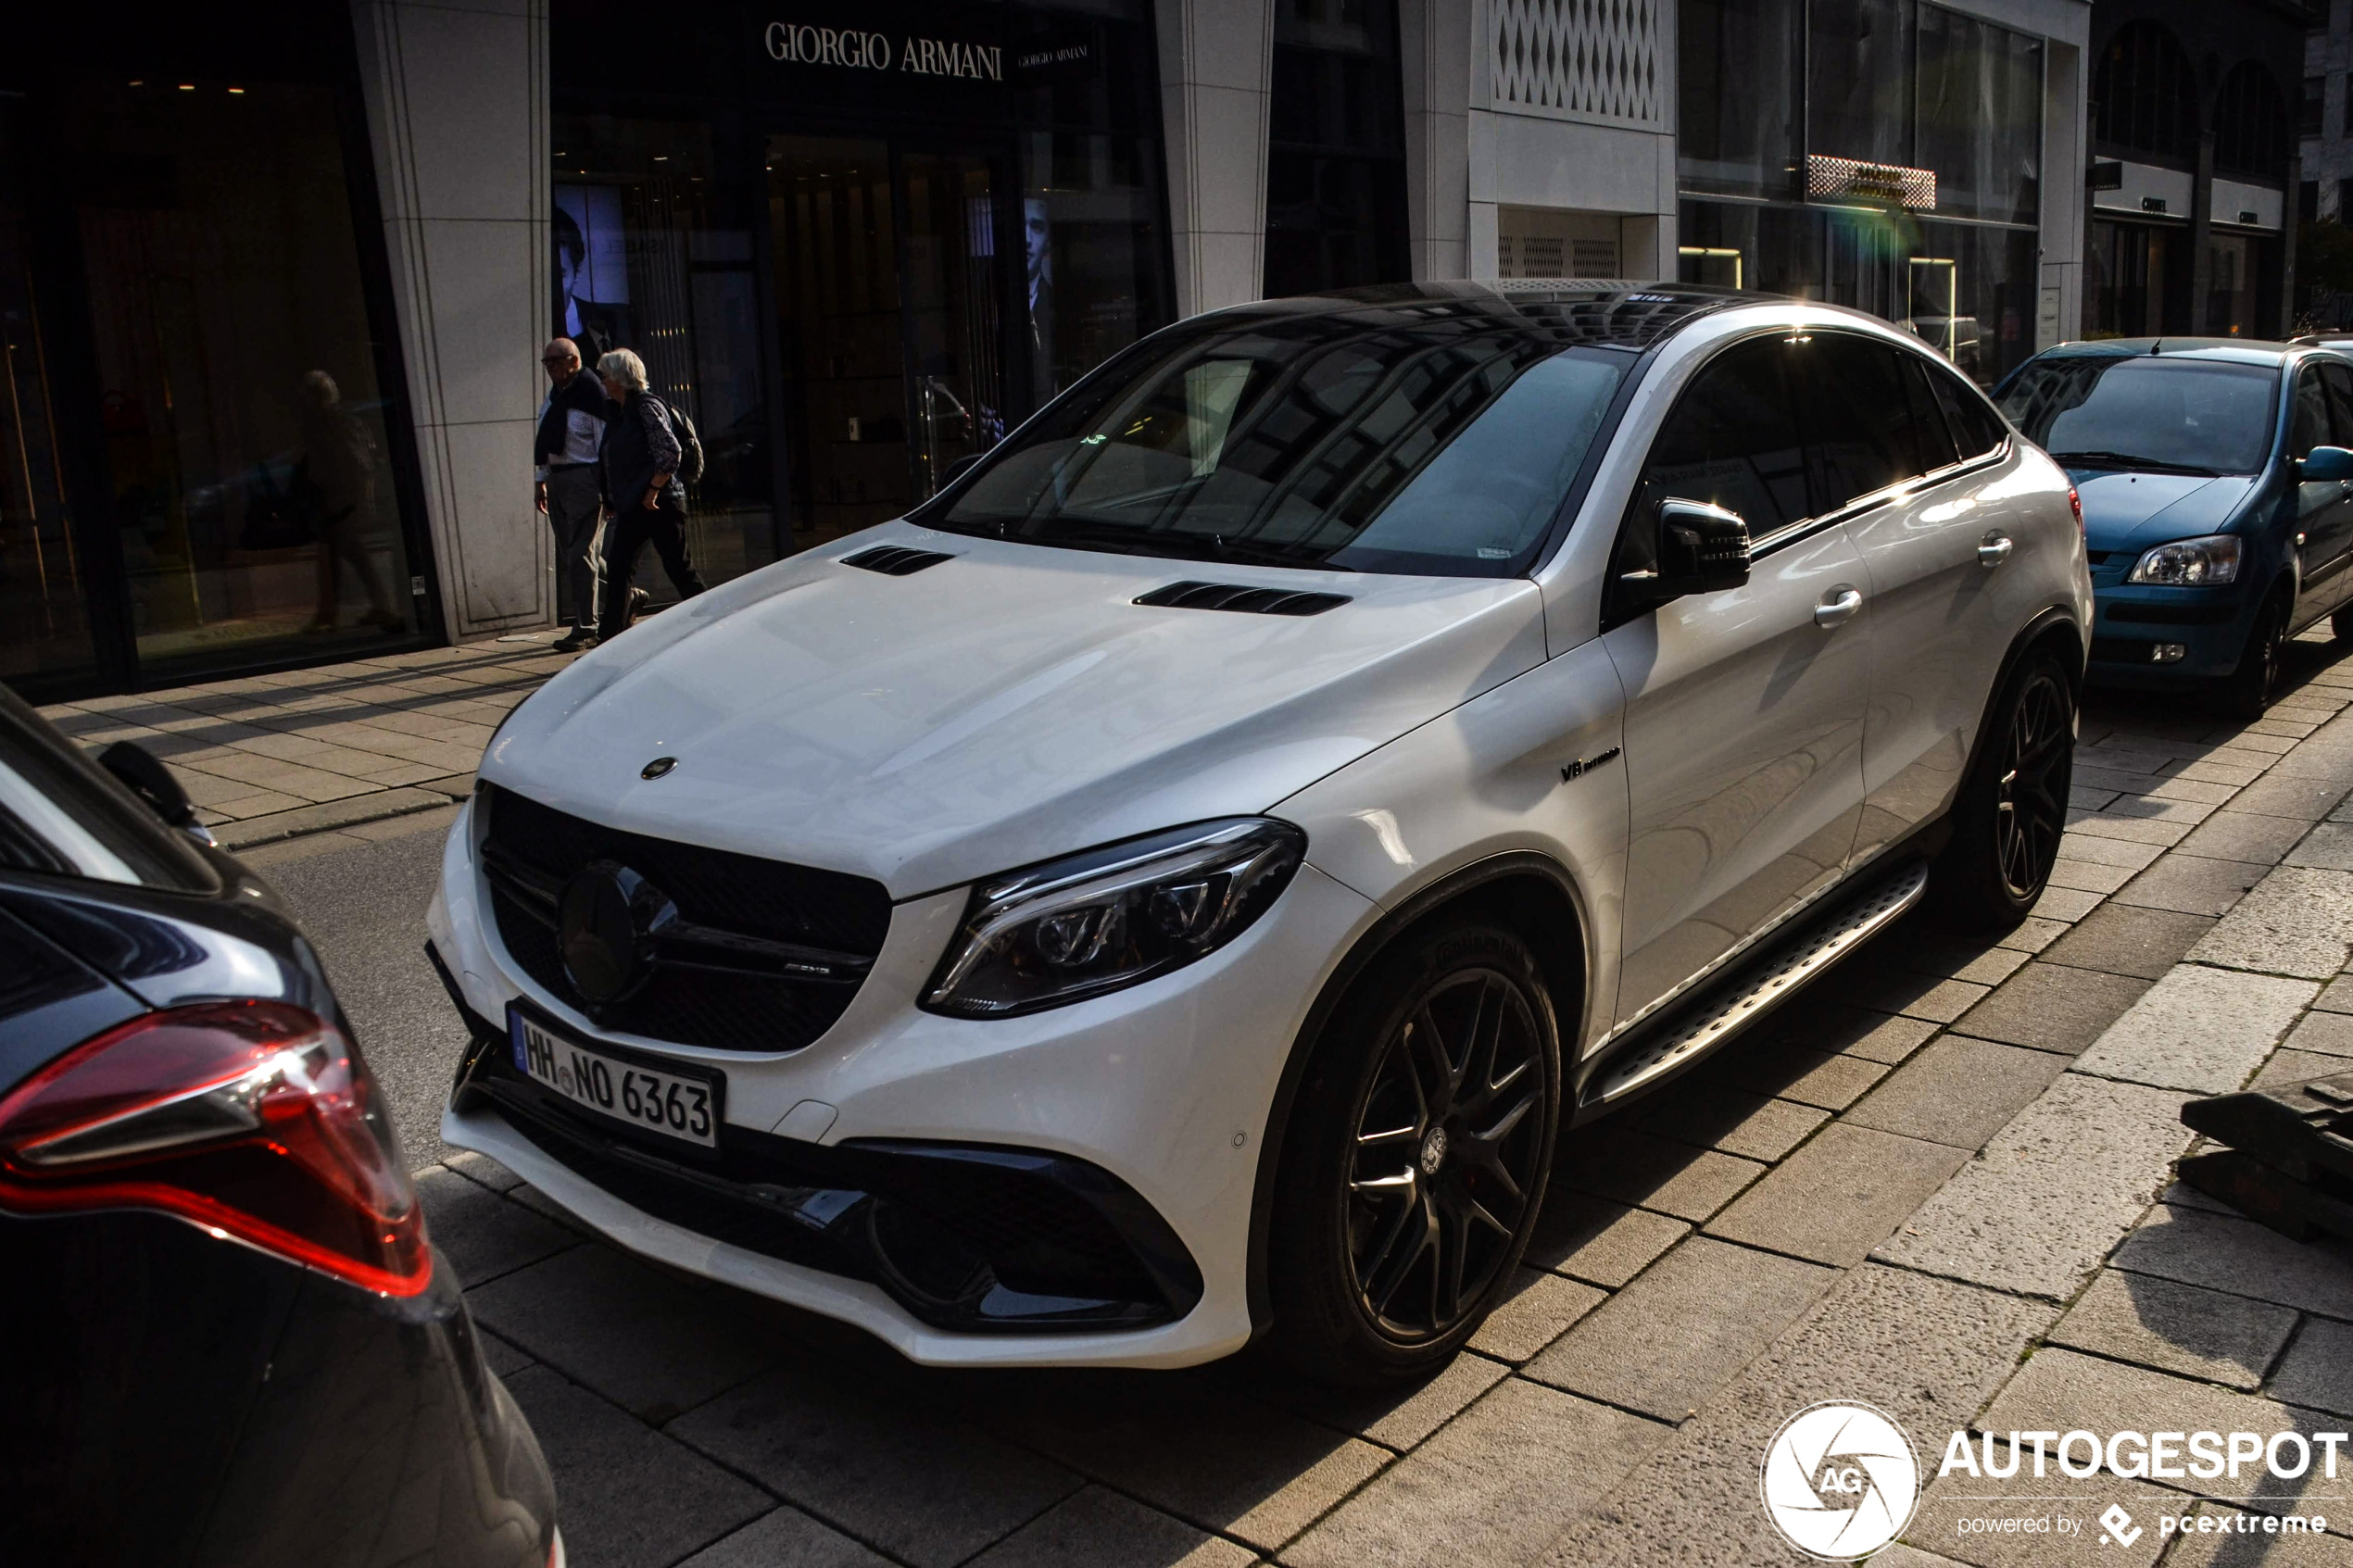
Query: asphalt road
361, 894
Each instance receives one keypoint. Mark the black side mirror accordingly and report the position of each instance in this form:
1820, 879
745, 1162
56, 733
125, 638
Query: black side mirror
1701, 549
138, 770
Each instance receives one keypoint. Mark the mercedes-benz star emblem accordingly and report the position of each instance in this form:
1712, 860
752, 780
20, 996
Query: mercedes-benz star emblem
658, 767
601, 920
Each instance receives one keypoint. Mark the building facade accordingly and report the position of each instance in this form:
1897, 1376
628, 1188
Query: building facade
275, 282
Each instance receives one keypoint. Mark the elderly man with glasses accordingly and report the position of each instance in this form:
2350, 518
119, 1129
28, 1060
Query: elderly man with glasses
571, 439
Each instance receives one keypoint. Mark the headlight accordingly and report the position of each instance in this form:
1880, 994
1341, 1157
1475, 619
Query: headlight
1111, 917
2190, 563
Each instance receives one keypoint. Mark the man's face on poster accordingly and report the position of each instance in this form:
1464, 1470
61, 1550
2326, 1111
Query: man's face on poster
567, 274
1034, 238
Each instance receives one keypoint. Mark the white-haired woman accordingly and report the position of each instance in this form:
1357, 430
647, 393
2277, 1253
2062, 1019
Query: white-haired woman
640, 463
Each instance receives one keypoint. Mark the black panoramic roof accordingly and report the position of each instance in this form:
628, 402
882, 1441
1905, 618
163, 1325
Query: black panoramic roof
1580, 313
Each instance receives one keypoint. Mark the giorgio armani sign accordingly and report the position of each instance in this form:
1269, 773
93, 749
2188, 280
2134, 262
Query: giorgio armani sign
908, 54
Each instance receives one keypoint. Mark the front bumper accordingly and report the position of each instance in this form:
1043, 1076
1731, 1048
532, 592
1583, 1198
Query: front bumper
2211, 625
1146, 1108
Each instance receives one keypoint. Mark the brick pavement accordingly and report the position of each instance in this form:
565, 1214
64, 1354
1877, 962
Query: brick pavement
1939, 1182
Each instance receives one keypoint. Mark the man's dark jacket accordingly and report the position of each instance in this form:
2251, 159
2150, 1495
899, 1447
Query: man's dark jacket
583, 391
639, 445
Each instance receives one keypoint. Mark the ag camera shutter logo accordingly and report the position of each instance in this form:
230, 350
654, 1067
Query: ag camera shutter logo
1839, 1480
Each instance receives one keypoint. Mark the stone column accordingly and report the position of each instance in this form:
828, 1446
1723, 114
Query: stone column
1216, 60
457, 101
2202, 233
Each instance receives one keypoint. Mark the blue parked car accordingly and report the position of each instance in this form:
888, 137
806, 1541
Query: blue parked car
2217, 492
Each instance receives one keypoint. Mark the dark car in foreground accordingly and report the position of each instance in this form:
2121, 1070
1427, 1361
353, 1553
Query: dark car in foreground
224, 1336
2217, 500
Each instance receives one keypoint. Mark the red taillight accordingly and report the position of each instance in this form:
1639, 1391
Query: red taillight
2075, 505
254, 1119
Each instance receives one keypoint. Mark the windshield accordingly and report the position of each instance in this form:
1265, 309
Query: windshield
2147, 411
1350, 441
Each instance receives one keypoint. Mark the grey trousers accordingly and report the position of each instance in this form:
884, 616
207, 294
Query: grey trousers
575, 505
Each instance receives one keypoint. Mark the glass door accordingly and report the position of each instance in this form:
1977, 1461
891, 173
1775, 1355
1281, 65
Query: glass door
887, 291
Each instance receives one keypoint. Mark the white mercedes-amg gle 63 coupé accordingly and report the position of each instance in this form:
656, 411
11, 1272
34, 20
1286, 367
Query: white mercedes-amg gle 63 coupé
1181, 882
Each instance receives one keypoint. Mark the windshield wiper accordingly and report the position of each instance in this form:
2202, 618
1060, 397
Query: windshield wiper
1122, 539
2132, 460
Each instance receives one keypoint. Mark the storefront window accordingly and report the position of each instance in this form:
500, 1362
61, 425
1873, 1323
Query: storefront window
45, 622
1738, 86
1920, 150
243, 425
1336, 148
650, 251
1090, 252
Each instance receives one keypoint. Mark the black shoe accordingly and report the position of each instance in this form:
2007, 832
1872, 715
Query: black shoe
578, 640
637, 597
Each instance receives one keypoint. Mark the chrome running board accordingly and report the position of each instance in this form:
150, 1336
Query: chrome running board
1757, 993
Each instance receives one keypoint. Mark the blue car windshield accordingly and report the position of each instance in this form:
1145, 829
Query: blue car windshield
2147, 411
1341, 441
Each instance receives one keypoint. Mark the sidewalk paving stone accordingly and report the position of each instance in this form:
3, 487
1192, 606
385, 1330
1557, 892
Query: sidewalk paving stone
2198, 1029
2111, 852
2318, 1371
2227, 1253
1714, 1115
1673, 1338
2142, 943
1788, 1070
2241, 836
1891, 989
2326, 1034
2329, 847
922, 1485
631, 1498
482, 1234
1836, 1028
2192, 884
2177, 1328
1595, 1240
646, 1339
1631, 1167
2295, 921
2052, 1007
2062, 1390
1959, 1091
1840, 1196
1929, 1351
1394, 1418
2053, 1191
783, 1537
2285, 795
1103, 1528
1541, 1308
1494, 1485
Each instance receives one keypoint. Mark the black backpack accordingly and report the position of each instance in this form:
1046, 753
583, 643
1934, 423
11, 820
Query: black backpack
689, 444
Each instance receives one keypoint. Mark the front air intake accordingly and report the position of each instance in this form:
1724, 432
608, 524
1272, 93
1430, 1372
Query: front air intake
895, 561
1241, 600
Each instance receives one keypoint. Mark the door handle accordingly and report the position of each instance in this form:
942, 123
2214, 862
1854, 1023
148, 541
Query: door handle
1838, 609
1993, 550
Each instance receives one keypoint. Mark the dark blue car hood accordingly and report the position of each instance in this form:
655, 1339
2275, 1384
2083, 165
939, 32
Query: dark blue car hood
2123, 511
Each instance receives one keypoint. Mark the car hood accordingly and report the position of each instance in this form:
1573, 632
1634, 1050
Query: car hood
2134, 510
1001, 708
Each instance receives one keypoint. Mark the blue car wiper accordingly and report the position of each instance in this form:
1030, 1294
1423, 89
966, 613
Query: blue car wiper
2131, 460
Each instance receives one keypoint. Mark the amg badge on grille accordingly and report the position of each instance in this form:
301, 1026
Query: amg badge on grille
658, 767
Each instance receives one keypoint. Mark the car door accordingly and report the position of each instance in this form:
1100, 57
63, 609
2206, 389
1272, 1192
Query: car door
2324, 518
1745, 706
1936, 539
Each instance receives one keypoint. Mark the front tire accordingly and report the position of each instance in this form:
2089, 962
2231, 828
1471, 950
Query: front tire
2246, 692
1416, 1157
2012, 809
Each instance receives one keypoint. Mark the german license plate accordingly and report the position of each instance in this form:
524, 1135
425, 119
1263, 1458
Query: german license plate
677, 1105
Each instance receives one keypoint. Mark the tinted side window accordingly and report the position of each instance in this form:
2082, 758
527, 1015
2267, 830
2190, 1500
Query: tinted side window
1934, 440
1859, 433
1974, 424
2340, 384
2309, 421
1732, 440
62, 810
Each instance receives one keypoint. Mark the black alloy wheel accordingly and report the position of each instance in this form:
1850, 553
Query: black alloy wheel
2246, 692
1447, 1161
2012, 807
1415, 1156
2030, 786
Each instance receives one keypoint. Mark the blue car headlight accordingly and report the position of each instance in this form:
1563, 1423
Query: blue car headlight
2190, 563
1112, 917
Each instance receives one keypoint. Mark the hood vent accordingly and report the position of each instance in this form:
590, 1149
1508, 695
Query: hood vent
895, 561
1243, 601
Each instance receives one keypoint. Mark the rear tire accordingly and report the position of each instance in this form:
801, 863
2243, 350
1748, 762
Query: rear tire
2247, 691
1416, 1157
2013, 807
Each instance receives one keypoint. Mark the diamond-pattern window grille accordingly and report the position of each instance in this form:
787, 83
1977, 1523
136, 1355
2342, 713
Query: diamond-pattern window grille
1583, 58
